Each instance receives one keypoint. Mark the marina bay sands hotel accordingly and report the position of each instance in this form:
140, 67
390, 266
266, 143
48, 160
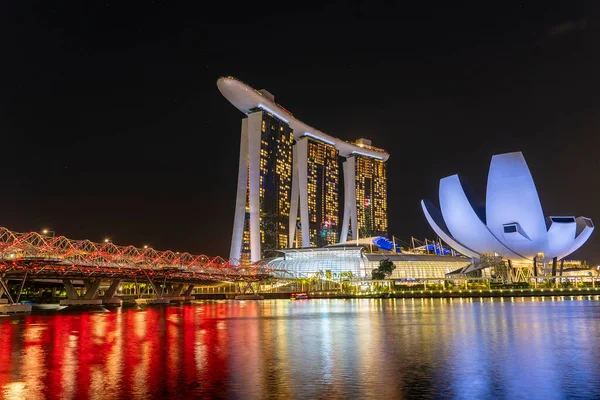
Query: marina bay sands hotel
288, 192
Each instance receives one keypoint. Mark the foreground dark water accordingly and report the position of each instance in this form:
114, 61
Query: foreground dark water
367, 348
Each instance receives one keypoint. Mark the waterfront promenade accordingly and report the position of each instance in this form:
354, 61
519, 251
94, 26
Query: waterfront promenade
447, 294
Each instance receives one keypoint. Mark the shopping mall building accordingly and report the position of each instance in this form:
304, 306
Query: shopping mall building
357, 259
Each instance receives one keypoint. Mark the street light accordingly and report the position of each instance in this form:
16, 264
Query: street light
106, 240
46, 231
145, 246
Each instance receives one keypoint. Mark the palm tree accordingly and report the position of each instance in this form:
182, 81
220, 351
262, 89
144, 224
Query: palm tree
334, 277
313, 281
328, 277
319, 275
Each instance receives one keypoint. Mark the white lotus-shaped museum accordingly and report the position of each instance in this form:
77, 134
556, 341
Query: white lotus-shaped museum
512, 224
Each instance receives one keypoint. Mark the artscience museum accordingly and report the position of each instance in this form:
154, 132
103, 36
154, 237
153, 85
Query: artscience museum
511, 225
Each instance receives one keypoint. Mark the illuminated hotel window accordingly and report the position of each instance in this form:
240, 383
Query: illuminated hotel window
275, 166
371, 196
323, 192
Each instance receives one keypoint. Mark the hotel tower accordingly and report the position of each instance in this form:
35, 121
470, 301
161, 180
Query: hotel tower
288, 192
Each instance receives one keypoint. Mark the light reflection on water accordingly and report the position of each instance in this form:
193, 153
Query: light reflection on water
365, 348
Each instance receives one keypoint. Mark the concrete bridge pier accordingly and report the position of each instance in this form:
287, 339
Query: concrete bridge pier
249, 291
2, 301
173, 293
76, 298
109, 298
159, 299
11, 305
188, 292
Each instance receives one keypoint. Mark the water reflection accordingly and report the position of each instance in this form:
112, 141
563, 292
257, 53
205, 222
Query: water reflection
367, 348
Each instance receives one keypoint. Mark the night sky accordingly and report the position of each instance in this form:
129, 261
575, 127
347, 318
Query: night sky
112, 124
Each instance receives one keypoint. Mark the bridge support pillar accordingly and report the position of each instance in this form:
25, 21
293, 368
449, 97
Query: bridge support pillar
248, 291
171, 290
4, 286
247, 287
176, 291
70, 289
112, 289
9, 305
109, 295
188, 292
157, 293
87, 299
91, 288
173, 293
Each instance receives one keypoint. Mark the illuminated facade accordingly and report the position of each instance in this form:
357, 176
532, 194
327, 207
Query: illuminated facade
288, 192
365, 185
512, 224
275, 181
316, 168
264, 186
358, 262
371, 196
323, 193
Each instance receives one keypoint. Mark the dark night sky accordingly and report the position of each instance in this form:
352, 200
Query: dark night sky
112, 123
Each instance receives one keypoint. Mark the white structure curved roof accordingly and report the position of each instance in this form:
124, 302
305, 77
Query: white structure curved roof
463, 222
511, 196
513, 226
245, 98
434, 217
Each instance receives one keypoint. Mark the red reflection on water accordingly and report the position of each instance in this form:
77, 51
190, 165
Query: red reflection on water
129, 353
7, 333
